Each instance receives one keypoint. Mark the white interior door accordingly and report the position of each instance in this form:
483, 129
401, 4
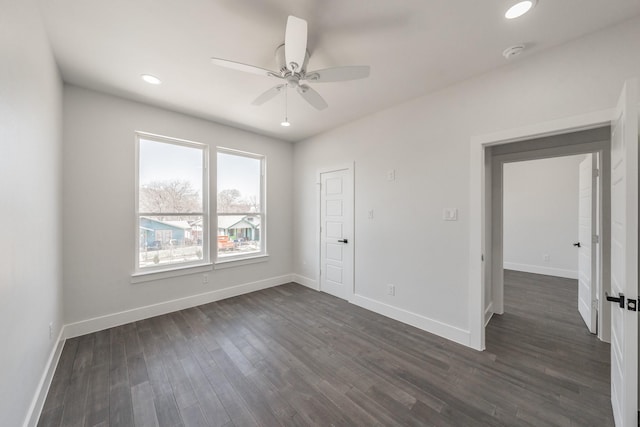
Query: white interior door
336, 232
624, 257
587, 303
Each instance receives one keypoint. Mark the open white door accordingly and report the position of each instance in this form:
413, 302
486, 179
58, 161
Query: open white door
624, 258
336, 232
587, 303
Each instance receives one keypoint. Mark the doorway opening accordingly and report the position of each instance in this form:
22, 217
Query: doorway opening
551, 227
594, 143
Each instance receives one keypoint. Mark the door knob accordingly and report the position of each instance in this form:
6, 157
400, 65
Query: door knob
343, 241
619, 299
577, 244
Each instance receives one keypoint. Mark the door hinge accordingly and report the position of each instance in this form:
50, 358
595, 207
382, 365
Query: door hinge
595, 239
596, 172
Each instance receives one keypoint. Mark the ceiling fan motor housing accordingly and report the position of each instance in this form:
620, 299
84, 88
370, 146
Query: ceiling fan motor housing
281, 62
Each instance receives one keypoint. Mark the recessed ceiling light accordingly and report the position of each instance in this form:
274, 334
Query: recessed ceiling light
519, 9
151, 79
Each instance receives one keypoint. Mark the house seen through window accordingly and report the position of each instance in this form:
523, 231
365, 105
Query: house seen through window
171, 203
240, 205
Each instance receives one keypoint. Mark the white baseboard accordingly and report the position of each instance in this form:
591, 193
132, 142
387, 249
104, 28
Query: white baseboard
35, 409
541, 269
426, 324
305, 281
488, 314
116, 319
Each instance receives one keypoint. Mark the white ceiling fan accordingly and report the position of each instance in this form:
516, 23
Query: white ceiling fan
292, 58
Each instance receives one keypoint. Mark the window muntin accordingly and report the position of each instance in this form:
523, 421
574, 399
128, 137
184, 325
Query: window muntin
171, 204
240, 205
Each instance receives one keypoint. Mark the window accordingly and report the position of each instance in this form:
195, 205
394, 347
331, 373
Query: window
171, 204
241, 214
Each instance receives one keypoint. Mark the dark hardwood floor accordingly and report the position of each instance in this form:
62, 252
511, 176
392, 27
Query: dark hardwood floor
292, 356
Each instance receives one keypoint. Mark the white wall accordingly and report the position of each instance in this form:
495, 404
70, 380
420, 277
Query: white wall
99, 221
30, 191
427, 142
541, 216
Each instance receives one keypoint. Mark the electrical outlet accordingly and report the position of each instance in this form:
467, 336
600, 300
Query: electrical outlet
205, 278
546, 257
391, 290
371, 214
391, 175
50, 330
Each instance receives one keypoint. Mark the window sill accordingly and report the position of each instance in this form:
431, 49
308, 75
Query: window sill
148, 276
237, 262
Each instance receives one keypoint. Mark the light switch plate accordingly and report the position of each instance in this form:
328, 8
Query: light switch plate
450, 214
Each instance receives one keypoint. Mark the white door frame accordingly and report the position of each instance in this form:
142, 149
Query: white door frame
350, 167
495, 219
480, 222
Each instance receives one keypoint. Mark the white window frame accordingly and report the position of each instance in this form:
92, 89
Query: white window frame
182, 267
250, 258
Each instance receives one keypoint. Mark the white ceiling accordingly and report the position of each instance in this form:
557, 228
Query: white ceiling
413, 47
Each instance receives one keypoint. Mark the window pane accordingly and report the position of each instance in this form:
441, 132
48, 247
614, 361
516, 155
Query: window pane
170, 178
238, 184
170, 240
239, 234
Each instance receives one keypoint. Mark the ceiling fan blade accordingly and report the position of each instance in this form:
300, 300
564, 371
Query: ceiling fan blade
244, 67
269, 94
312, 97
295, 43
339, 74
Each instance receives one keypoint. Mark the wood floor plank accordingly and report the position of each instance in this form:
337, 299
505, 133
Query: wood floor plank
167, 411
101, 350
292, 356
97, 406
144, 409
234, 405
51, 417
62, 376
210, 405
120, 405
256, 400
138, 373
76, 396
193, 417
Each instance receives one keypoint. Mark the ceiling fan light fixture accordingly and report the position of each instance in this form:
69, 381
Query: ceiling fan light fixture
519, 9
153, 80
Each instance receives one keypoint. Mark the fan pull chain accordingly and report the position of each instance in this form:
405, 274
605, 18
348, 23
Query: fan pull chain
286, 123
